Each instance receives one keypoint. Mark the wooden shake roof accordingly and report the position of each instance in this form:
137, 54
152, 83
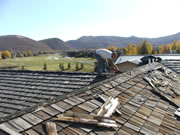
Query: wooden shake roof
148, 102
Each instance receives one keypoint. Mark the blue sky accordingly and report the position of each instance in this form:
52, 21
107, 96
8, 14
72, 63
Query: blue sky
71, 19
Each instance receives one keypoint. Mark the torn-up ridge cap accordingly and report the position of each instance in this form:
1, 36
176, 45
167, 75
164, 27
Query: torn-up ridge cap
177, 112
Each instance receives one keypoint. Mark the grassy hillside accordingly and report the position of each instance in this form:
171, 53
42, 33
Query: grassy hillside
56, 44
52, 61
16, 43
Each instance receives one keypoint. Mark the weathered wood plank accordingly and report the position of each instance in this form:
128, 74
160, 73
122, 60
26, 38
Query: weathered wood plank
8, 130
109, 107
51, 128
31, 118
87, 119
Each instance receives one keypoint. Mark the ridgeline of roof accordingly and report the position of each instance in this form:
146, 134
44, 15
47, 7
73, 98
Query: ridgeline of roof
148, 99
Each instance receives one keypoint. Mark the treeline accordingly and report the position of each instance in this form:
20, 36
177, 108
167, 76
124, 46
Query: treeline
7, 54
81, 53
146, 48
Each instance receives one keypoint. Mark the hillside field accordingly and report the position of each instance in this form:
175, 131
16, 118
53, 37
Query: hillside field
52, 62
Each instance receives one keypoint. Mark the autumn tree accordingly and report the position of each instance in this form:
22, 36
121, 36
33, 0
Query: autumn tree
133, 50
7, 54
0, 55
168, 48
174, 45
139, 46
112, 48
29, 52
178, 46
162, 49
128, 50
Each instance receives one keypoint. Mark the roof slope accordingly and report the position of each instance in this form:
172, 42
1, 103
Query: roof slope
147, 103
173, 64
22, 89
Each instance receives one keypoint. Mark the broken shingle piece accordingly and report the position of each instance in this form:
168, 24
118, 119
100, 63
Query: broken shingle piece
87, 119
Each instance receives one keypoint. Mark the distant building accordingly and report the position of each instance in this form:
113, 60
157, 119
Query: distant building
127, 65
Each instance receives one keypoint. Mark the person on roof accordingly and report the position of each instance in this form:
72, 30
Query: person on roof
105, 58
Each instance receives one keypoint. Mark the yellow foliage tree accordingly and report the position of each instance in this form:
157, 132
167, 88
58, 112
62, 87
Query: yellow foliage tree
7, 54
174, 45
130, 50
139, 46
112, 48
155, 52
0, 55
29, 52
133, 50
162, 49
178, 46
168, 48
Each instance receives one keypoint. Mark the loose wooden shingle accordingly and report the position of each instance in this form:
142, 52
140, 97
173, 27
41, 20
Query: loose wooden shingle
19, 122
64, 105
57, 107
42, 115
51, 128
31, 132
50, 111
8, 129
31, 118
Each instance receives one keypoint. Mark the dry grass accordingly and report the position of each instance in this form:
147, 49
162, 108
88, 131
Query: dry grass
52, 61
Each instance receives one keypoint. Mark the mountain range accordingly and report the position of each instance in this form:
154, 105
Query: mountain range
87, 42
17, 43
56, 44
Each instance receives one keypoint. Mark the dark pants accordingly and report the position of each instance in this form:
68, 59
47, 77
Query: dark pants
102, 65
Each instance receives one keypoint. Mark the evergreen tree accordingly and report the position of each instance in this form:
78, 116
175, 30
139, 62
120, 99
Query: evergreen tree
82, 65
60, 66
22, 67
77, 66
146, 48
69, 65
45, 66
